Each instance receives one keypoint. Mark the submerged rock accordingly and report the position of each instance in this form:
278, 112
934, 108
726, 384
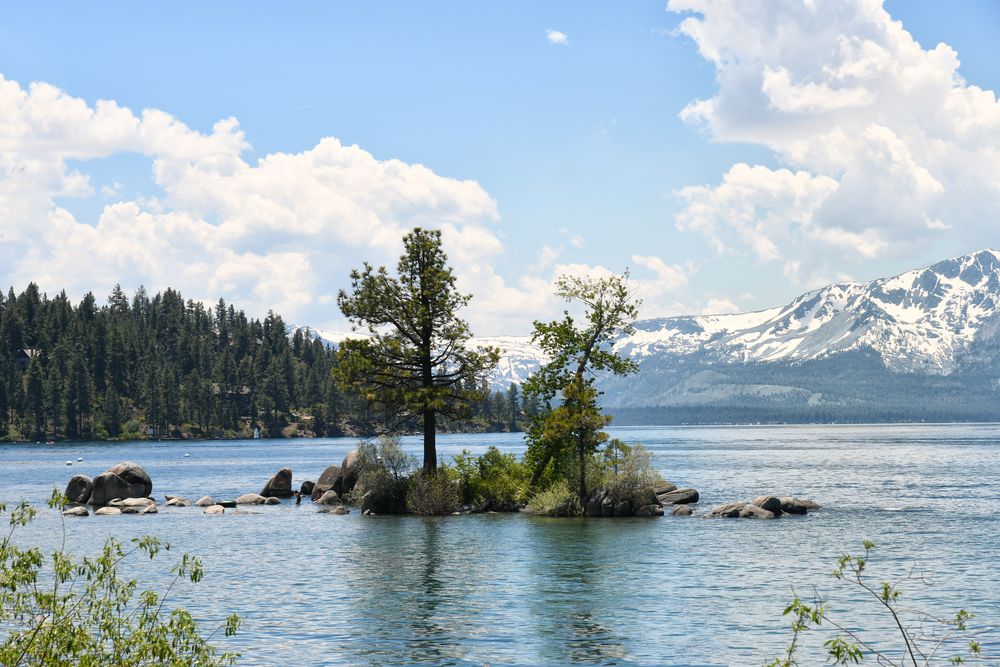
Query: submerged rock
754, 512
652, 510
107, 511
215, 509
728, 510
178, 501
228, 504
271, 500
790, 505
770, 503
682, 510
79, 510
249, 499
204, 501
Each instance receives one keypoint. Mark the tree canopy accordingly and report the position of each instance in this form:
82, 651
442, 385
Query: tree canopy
415, 357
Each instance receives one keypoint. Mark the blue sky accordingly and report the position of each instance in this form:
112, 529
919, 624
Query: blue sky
581, 147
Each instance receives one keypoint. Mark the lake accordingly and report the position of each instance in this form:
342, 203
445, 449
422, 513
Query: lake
322, 589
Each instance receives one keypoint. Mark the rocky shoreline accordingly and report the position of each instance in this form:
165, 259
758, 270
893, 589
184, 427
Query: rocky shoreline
126, 488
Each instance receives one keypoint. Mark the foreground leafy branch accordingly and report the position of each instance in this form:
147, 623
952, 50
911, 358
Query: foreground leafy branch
923, 637
83, 612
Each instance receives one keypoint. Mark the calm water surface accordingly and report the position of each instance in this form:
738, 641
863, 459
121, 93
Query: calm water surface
511, 589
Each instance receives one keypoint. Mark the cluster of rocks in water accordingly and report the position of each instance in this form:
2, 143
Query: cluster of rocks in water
126, 488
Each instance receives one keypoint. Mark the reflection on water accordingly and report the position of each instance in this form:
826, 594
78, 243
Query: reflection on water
517, 590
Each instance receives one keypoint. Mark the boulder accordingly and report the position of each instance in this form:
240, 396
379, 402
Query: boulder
79, 510
79, 488
770, 503
135, 477
623, 508
279, 486
178, 501
652, 510
679, 497
271, 500
350, 467
339, 509
228, 504
729, 510
682, 510
215, 509
791, 505
382, 504
328, 498
608, 506
149, 509
107, 511
327, 480
204, 501
752, 511
593, 506
249, 499
664, 487
170, 496
307, 488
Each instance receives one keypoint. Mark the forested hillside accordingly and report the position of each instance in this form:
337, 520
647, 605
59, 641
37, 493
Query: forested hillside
159, 366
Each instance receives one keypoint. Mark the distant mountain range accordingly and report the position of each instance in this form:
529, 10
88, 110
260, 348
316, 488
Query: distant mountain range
920, 346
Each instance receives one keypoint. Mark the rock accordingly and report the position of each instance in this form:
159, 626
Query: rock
623, 508
339, 509
682, 510
729, 510
307, 488
350, 467
279, 486
271, 500
752, 511
328, 498
249, 499
607, 506
809, 504
382, 504
652, 510
228, 504
79, 488
138, 503
215, 509
664, 487
128, 510
149, 509
204, 501
170, 496
107, 511
135, 477
178, 501
791, 505
593, 506
79, 510
770, 503
326, 481
679, 497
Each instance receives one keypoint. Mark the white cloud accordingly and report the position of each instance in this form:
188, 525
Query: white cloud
282, 232
556, 37
886, 146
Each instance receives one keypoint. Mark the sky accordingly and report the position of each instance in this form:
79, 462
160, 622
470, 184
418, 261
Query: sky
731, 155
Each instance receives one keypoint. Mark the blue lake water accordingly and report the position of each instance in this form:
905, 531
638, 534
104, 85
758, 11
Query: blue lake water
512, 589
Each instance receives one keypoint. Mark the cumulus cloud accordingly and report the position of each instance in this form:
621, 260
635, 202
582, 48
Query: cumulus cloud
884, 144
556, 37
281, 232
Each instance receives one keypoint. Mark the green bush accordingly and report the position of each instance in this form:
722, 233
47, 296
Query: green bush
433, 494
67, 612
383, 475
629, 474
493, 481
557, 500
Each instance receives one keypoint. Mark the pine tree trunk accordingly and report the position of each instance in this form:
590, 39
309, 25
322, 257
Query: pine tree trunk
430, 441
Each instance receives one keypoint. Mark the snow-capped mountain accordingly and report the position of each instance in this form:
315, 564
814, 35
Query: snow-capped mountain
921, 320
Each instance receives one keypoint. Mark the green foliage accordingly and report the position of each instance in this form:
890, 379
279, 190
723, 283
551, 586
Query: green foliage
557, 500
68, 612
433, 493
415, 360
384, 470
572, 429
922, 636
494, 481
629, 473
